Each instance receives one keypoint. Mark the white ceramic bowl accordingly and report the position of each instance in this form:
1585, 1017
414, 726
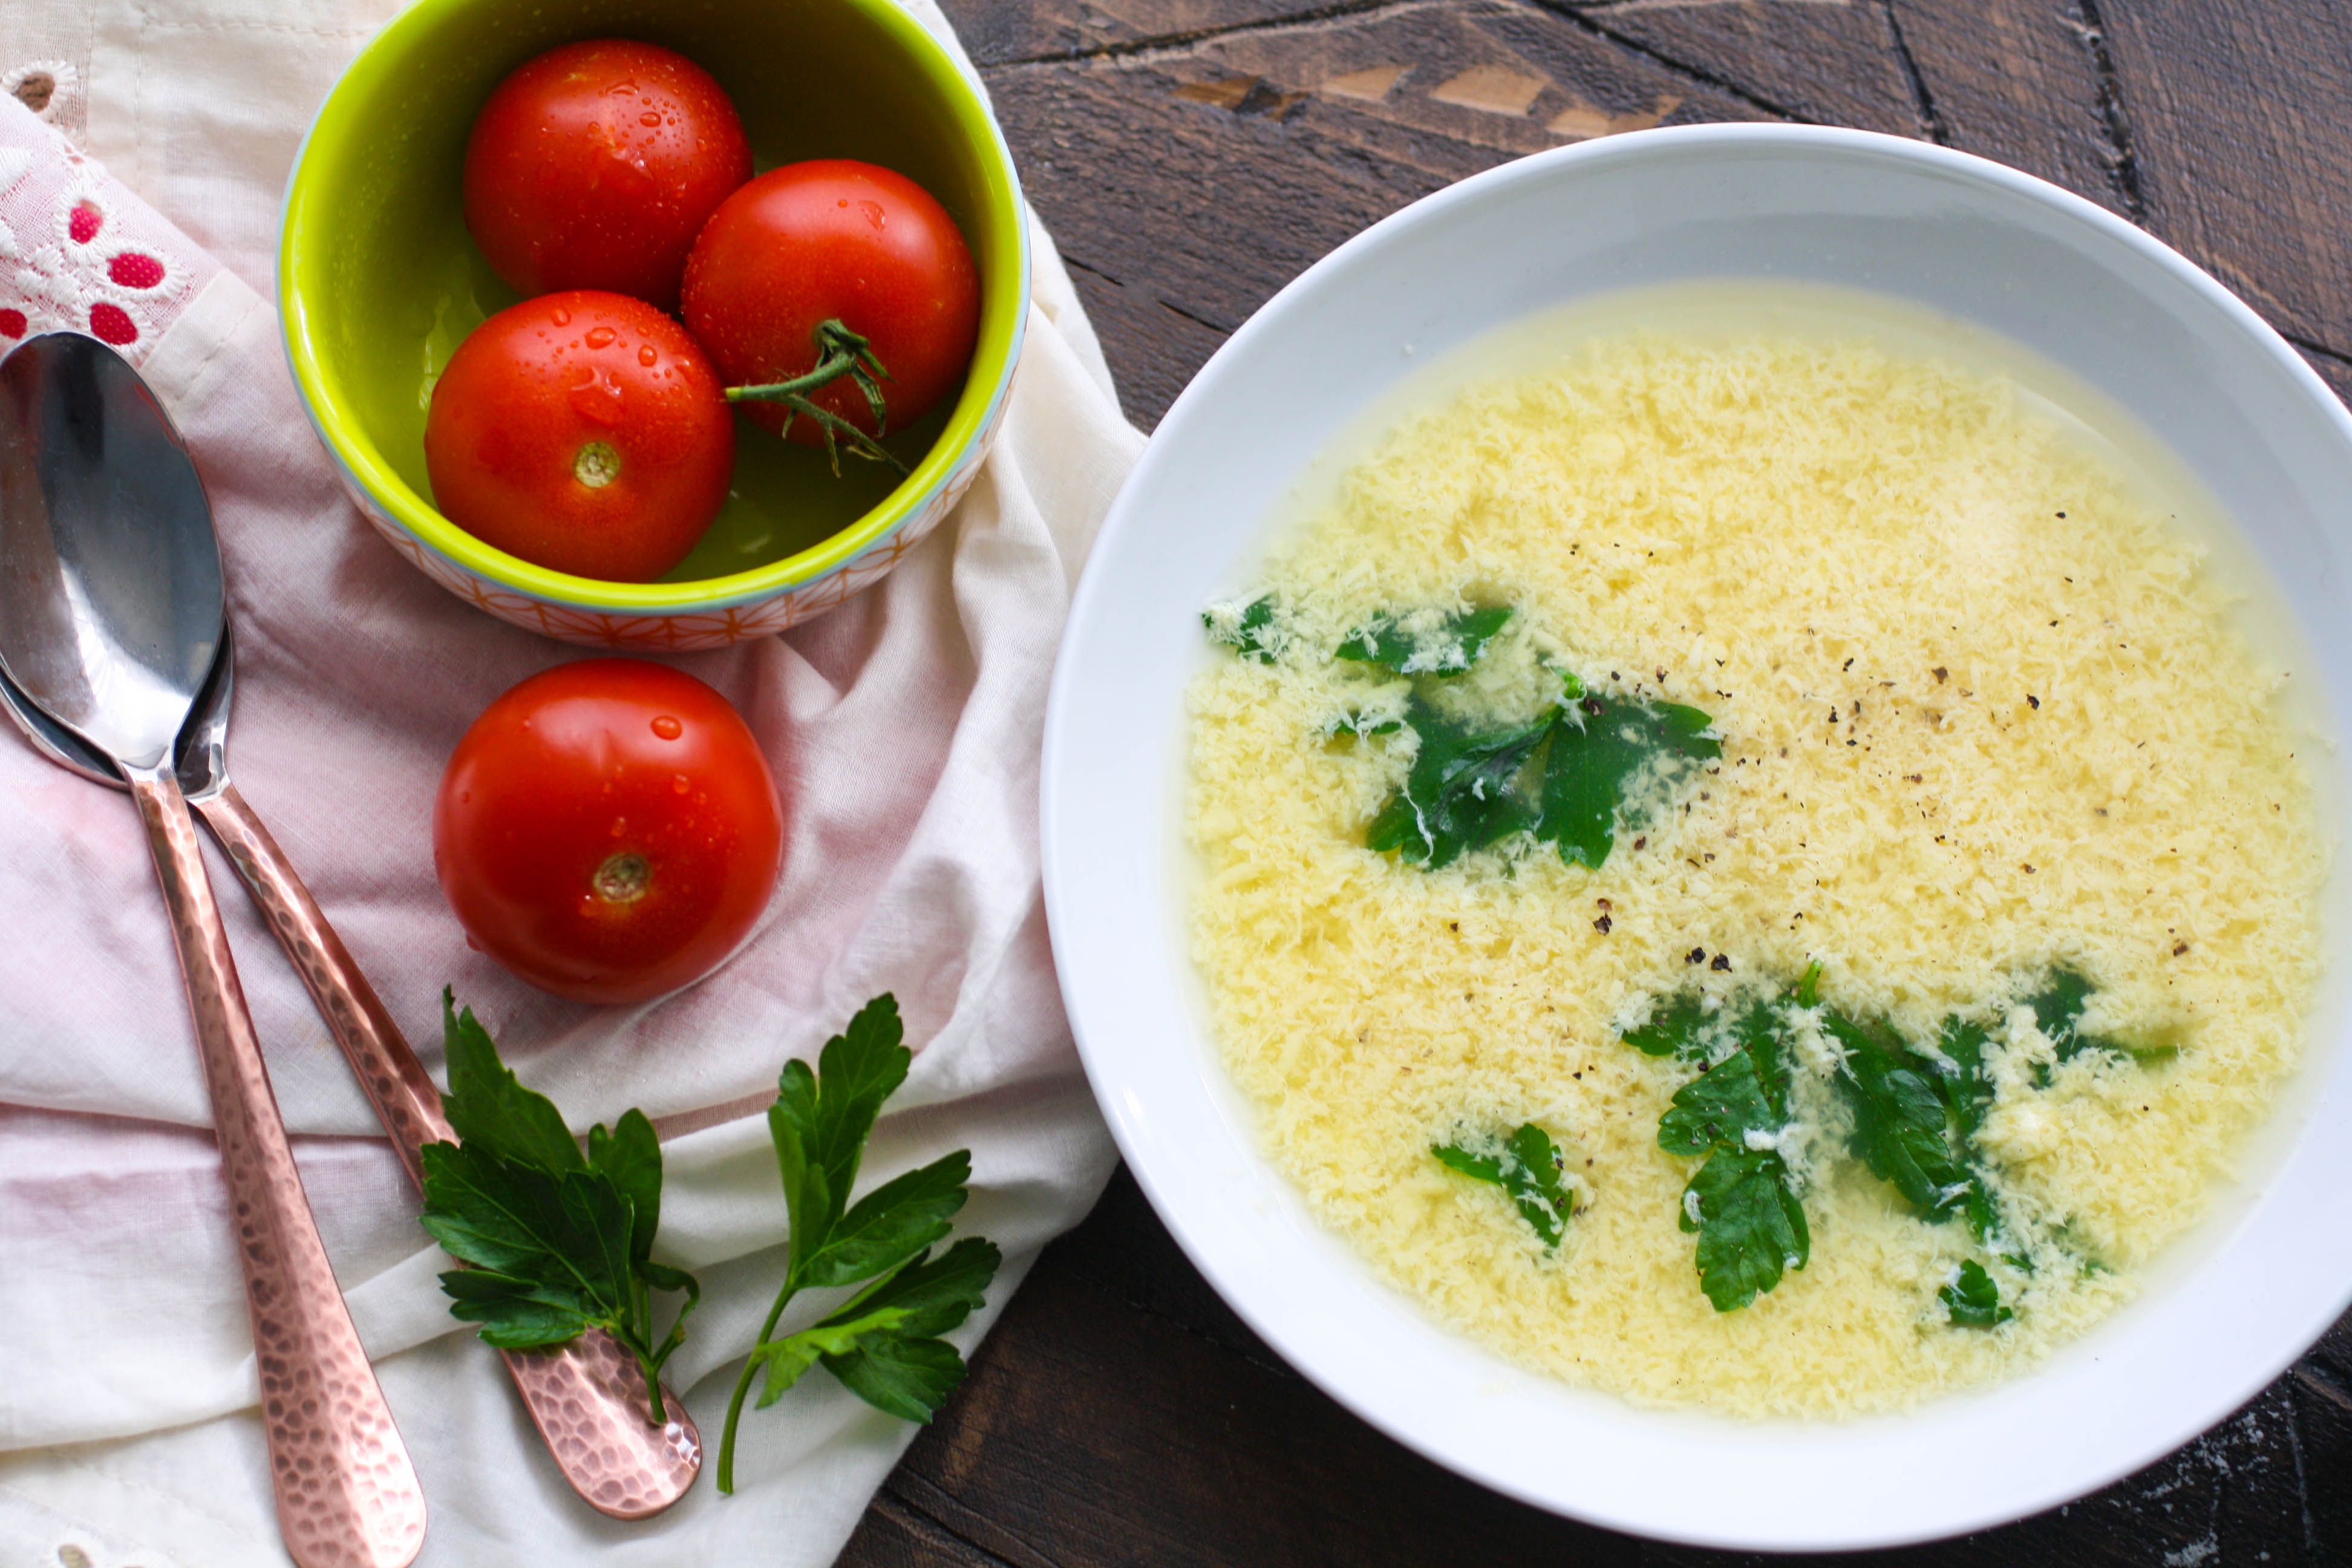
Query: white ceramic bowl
2222, 1311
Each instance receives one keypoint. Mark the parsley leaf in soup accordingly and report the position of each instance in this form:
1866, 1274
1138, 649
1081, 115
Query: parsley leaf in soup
884, 1343
1248, 631
1673, 1029
1972, 1300
1751, 1226
1902, 1125
2058, 1013
1718, 1109
1528, 1169
1461, 793
1742, 1201
1403, 645
559, 1243
1596, 752
1969, 1087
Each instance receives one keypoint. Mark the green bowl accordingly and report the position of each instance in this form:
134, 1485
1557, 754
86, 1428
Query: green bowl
378, 282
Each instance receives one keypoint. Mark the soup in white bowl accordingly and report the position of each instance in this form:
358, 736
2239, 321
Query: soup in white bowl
1262, 433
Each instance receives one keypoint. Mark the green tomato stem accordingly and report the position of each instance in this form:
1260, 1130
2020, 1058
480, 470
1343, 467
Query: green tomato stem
839, 353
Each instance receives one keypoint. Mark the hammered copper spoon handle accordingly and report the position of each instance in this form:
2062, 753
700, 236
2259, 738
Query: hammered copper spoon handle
587, 1397
347, 1496
112, 614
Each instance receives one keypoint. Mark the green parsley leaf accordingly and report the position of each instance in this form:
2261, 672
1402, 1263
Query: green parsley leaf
891, 1224
1902, 1125
883, 1343
1250, 633
1461, 793
907, 1378
1749, 1224
784, 1360
820, 1133
1742, 1202
1449, 647
1969, 1087
1479, 1167
2058, 1012
1673, 1028
559, 1244
1972, 1300
1594, 756
488, 1106
1528, 1169
631, 1156
1718, 1108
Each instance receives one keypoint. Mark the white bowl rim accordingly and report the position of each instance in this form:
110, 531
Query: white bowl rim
1100, 1058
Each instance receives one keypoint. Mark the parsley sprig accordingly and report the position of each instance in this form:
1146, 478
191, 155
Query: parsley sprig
1401, 646
1742, 1201
1527, 1167
1917, 1118
883, 1343
1972, 1300
561, 1242
1249, 630
1568, 779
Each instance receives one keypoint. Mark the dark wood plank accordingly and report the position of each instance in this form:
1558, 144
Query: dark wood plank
2021, 81
2239, 119
1831, 62
1186, 185
1003, 32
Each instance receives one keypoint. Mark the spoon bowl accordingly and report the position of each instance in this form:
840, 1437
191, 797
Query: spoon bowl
111, 610
202, 750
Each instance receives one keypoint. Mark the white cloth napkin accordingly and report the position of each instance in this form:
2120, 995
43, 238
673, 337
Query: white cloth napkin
904, 727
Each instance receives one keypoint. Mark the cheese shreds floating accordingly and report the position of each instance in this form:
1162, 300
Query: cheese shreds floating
1981, 719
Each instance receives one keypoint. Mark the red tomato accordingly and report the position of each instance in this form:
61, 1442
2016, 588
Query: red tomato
583, 432
595, 165
834, 240
608, 830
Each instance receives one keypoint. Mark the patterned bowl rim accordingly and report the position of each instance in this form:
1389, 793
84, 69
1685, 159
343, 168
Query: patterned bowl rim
340, 119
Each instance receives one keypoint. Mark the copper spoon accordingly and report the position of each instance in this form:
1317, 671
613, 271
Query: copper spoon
111, 610
588, 1397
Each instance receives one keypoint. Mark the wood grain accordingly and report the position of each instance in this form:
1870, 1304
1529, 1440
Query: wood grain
2239, 119
1186, 184
1191, 156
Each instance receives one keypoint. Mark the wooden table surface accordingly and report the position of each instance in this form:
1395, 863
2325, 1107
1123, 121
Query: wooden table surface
1190, 157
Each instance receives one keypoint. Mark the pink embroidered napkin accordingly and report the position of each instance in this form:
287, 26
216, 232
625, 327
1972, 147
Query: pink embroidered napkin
904, 727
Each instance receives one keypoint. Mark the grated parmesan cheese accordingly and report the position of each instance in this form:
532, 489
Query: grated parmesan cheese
1963, 741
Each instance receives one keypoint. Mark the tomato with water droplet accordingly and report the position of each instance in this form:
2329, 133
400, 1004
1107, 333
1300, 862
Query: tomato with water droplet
608, 830
583, 432
595, 165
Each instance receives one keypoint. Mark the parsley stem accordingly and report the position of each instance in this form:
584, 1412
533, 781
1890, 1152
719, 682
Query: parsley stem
744, 1387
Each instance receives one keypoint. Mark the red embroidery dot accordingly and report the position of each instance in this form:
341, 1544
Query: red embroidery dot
13, 324
111, 324
134, 270
83, 223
